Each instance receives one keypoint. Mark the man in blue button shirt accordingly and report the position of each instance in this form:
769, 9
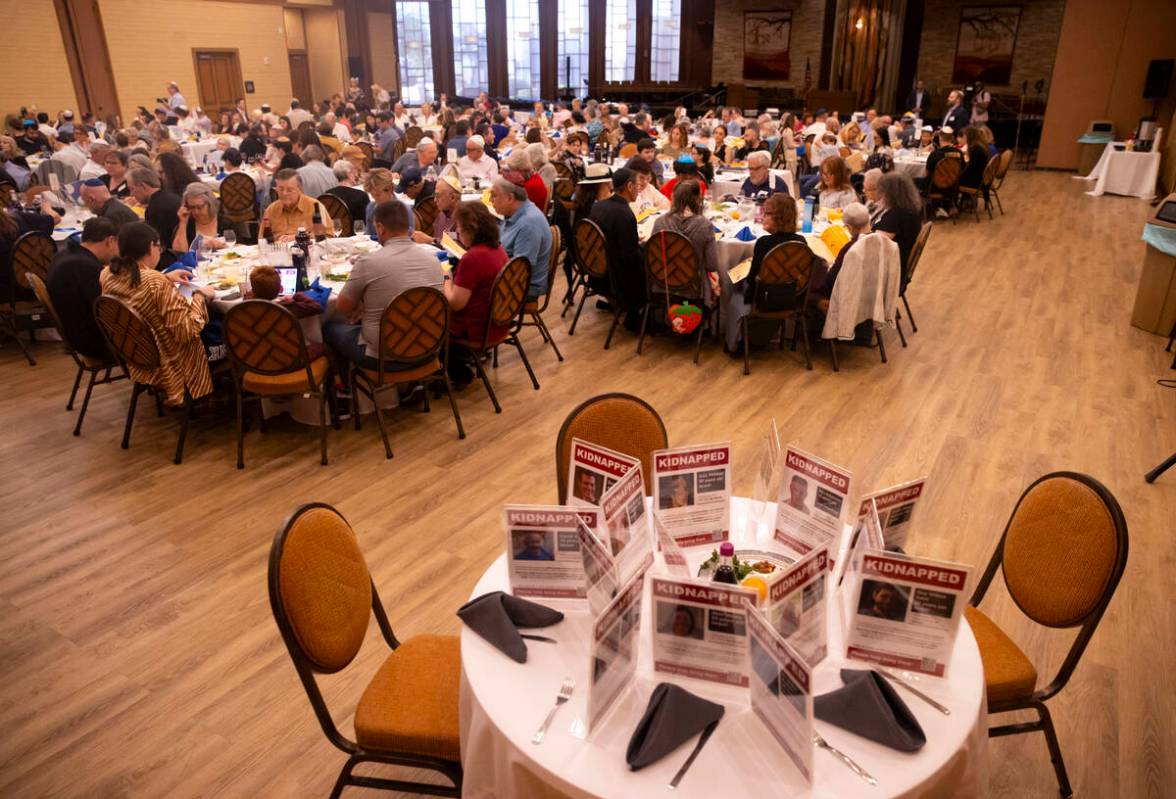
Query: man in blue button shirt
525, 231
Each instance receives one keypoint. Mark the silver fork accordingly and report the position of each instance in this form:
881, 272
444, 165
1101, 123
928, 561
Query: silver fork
565, 693
844, 758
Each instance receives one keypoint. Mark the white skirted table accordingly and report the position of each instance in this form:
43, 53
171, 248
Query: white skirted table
503, 702
1126, 172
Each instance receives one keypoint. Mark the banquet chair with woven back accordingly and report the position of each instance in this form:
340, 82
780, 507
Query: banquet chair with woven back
973, 194
267, 348
133, 343
627, 150
508, 294
31, 254
533, 309
621, 422
672, 276
1005, 161
913, 260
238, 202
414, 339
591, 264
86, 364
944, 184
412, 136
1062, 555
337, 210
425, 212
323, 597
564, 187
369, 154
781, 290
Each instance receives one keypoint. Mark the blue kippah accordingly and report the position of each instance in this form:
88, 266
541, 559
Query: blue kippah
685, 158
93, 182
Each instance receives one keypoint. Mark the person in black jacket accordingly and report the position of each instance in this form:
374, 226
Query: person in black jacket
918, 101
162, 207
956, 117
626, 262
73, 284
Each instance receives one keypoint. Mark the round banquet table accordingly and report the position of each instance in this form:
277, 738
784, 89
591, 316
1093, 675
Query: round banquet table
503, 703
915, 167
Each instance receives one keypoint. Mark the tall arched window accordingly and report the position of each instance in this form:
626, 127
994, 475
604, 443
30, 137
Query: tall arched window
666, 35
620, 40
415, 51
471, 74
573, 47
522, 49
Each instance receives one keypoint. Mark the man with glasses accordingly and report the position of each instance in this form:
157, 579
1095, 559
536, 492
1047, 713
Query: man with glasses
761, 183
292, 209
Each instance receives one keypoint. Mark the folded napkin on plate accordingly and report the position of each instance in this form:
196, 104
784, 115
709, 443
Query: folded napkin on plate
497, 616
318, 293
870, 707
745, 234
673, 715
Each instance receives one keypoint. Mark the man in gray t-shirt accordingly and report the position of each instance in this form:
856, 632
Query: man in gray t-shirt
377, 279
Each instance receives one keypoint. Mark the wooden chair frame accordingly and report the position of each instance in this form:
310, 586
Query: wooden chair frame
306, 674
90, 366
591, 262
337, 209
800, 300
671, 274
425, 211
561, 463
412, 136
31, 254
973, 194
1087, 625
135, 344
913, 260
439, 351
536, 313
300, 361
1002, 169
508, 295
945, 189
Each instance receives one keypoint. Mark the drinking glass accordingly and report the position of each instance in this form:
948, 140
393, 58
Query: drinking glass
336, 227
360, 227
230, 238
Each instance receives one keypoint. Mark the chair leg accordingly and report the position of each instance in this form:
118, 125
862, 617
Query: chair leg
1055, 750
547, 335
641, 335
496, 357
158, 402
379, 414
10, 329
344, 777
453, 406
570, 298
77, 382
808, 357
1155, 473
999, 205
612, 328
184, 419
486, 382
522, 354
911, 316
833, 352
323, 425
898, 324
240, 390
85, 401
881, 344
579, 308
126, 441
698, 342
743, 331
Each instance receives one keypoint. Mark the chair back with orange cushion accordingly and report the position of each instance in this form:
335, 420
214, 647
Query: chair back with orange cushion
553, 257
129, 337
917, 251
628, 150
671, 265
268, 350
322, 597
338, 212
238, 197
507, 296
621, 422
1062, 554
786, 266
564, 187
426, 214
39, 289
413, 330
1003, 164
591, 257
947, 172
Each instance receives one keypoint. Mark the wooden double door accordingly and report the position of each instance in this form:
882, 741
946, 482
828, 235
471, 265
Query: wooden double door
218, 80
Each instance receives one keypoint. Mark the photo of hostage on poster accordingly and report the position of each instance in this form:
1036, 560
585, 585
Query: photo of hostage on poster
812, 503
797, 608
626, 523
700, 629
905, 612
615, 639
781, 692
543, 550
593, 470
895, 508
692, 493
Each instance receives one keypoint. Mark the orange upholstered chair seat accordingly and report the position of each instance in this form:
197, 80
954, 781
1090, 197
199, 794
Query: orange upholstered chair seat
532, 306
1008, 674
411, 703
493, 341
404, 376
96, 363
287, 382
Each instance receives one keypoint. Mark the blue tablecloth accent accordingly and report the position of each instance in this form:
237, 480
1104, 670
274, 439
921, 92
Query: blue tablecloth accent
1162, 238
1095, 138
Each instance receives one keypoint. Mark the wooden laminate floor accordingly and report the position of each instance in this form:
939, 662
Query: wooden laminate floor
138, 656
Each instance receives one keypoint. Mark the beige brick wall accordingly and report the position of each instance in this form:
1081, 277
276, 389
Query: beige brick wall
32, 62
1033, 54
325, 49
150, 46
807, 20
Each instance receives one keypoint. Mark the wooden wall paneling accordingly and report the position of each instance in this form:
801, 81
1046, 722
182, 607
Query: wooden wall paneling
88, 55
641, 71
827, 33
496, 47
595, 48
908, 65
698, 33
441, 31
549, 48
358, 44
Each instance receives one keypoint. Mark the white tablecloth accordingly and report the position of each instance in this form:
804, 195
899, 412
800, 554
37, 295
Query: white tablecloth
1121, 172
195, 151
503, 703
915, 167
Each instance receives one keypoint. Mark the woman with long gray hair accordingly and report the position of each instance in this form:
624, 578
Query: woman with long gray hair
901, 214
199, 220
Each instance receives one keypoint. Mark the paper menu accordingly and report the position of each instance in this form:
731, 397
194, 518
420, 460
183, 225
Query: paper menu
450, 245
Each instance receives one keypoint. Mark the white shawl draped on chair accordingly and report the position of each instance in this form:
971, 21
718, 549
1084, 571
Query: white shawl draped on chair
866, 287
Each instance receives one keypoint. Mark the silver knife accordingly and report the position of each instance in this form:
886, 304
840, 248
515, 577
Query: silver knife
706, 733
895, 679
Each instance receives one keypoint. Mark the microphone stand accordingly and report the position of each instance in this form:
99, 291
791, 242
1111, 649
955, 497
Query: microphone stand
1020, 119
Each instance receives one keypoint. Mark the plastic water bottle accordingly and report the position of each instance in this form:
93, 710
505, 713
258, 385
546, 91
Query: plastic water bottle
806, 225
